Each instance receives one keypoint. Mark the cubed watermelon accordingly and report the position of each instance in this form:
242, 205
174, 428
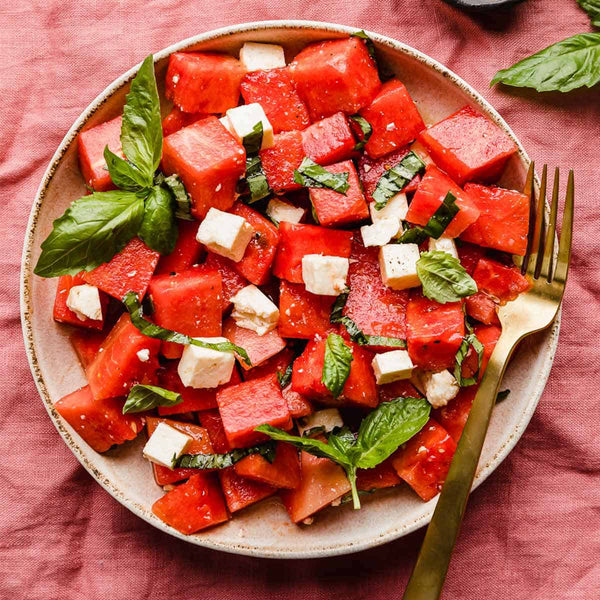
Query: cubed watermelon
468, 146
203, 82
329, 140
272, 366
241, 492
503, 221
275, 92
212, 422
469, 255
63, 314
99, 421
488, 335
500, 281
231, 280
209, 161
86, 345
335, 75
482, 307
394, 118
177, 119
280, 160
298, 405
431, 193
188, 251
382, 476
453, 417
128, 271
402, 388
283, 472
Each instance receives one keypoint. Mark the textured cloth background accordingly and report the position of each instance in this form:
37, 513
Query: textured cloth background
532, 531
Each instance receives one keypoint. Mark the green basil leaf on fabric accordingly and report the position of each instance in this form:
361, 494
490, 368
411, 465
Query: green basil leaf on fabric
147, 397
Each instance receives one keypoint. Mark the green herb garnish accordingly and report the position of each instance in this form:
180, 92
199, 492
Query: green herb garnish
311, 175
222, 461
147, 397
336, 366
394, 180
366, 128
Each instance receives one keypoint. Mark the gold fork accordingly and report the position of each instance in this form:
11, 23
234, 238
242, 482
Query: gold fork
530, 312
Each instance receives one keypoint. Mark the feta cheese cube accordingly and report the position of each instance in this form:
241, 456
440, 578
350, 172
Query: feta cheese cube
392, 366
279, 211
380, 233
84, 301
243, 120
227, 124
225, 234
328, 418
443, 245
165, 445
398, 265
439, 388
396, 208
324, 275
253, 310
203, 367
256, 56
143, 354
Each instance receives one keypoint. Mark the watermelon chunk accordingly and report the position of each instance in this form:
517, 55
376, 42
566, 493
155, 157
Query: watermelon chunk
187, 250
298, 405
128, 271
241, 492
177, 119
275, 92
488, 335
498, 280
193, 505
280, 160
283, 472
117, 367
245, 406
453, 417
203, 82
189, 302
431, 193
86, 345
335, 75
503, 221
482, 307
231, 280
212, 422
330, 140
272, 366
402, 388
90, 150
434, 332
209, 161
468, 146
99, 421
63, 314
394, 118
382, 476
469, 255
297, 240
334, 208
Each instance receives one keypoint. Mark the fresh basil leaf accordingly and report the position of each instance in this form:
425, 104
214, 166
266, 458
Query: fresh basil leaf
313, 431
342, 439
222, 461
468, 341
336, 366
183, 202
564, 66
149, 329
311, 175
253, 141
354, 331
394, 180
256, 180
443, 278
337, 309
141, 131
285, 377
146, 397
380, 340
92, 230
503, 395
159, 228
442, 217
386, 428
125, 175
414, 235
592, 8
366, 128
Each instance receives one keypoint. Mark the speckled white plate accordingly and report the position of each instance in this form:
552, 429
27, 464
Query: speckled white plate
263, 529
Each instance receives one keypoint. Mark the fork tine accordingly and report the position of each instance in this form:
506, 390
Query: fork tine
566, 234
540, 228
530, 192
551, 234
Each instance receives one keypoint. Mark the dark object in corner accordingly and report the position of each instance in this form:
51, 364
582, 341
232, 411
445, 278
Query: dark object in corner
482, 4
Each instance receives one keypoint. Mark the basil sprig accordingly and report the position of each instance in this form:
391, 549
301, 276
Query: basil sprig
394, 180
336, 366
443, 278
149, 329
592, 8
311, 175
469, 340
255, 179
146, 397
222, 461
380, 434
366, 128
96, 227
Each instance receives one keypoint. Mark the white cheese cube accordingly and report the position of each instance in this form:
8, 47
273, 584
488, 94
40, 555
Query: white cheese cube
443, 245
396, 208
398, 265
438, 388
203, 367
328, 418
225, 234
324, 275
380, 233
165, 445
253, 310
392, 366
422, 153
84, 301
255, 56
244, 118
227, 124
284, 211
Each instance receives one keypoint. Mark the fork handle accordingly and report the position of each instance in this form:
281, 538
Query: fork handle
430, 570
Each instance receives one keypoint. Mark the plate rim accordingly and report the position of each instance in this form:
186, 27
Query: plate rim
26, 306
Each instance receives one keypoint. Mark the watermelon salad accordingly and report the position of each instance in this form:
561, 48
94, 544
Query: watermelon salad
289, 283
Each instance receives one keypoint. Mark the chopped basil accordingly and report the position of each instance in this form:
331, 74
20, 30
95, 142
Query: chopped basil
469, 340
442, 217
183, 202
255, 179
394, 180
311, 175
222, 461
285, 377
147, 328
253, 140
365, 127
336, 365
414, 235
146, 397
337, 309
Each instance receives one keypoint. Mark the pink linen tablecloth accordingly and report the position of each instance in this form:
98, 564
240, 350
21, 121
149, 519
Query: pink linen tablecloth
532, 530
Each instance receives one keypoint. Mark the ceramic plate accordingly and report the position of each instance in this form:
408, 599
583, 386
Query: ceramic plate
263, 529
